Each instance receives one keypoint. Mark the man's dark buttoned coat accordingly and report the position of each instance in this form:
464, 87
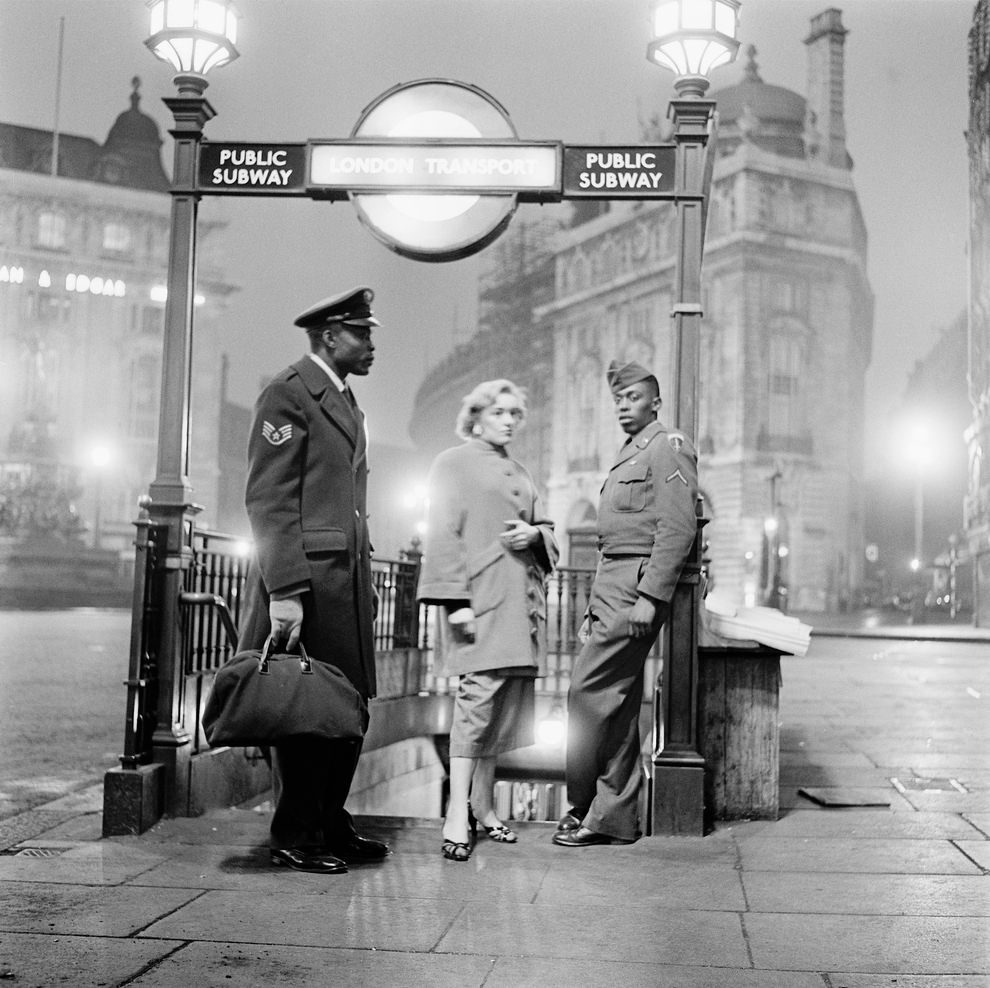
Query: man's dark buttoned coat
306, 501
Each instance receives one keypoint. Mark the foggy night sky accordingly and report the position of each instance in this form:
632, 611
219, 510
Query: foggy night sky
571, 70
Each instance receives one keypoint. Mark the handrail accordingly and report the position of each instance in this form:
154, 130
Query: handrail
193, 599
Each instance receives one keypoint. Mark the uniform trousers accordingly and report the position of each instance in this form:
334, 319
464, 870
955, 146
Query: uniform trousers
311, 778
604, 760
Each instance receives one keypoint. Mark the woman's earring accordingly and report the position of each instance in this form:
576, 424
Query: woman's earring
475, 430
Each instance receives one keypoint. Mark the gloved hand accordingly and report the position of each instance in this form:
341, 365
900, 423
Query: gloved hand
462, 624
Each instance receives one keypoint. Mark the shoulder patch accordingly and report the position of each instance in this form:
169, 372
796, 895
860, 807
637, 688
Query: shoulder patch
676, 441
276, 436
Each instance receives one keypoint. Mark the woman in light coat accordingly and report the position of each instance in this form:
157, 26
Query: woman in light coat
487, 555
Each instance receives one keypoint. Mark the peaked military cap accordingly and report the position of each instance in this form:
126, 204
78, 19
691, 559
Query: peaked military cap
353, 308
620, 376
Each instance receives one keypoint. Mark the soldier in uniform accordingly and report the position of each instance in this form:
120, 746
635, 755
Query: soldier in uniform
646, 528
306, 501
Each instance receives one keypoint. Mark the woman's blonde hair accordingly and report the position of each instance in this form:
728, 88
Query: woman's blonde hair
482, 397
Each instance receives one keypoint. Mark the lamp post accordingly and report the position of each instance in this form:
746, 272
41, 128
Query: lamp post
918, 451
691, 38
193, 36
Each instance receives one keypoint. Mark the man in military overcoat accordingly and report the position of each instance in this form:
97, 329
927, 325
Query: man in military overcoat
306, 502
646, 528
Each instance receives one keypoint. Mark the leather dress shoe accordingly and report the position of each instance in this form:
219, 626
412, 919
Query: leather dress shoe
317, 862
354, 847
569, 821
583, 837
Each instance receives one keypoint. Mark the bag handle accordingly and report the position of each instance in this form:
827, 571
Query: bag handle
264, 663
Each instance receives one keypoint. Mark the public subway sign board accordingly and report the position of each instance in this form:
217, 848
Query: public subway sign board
252, 169
628, 172
541, 171
530, 169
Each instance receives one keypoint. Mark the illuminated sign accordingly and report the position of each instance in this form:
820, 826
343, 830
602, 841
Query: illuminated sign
252, 169
441, 223
478, 167
630, 172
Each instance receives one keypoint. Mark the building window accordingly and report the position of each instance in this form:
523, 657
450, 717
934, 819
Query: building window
784, 391
46, 307
116, 237
143, 405
788, 296
582, 415
51, 229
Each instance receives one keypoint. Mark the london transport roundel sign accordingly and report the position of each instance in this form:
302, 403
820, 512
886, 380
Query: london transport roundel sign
435, 226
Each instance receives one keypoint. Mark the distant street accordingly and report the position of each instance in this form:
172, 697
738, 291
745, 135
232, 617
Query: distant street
61, 701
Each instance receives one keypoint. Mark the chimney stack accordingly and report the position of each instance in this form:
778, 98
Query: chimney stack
826, 72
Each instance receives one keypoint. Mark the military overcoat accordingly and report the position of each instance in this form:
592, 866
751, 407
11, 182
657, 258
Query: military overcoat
306, 499
474, 489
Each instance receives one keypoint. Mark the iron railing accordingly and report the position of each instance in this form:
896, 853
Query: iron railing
212, 603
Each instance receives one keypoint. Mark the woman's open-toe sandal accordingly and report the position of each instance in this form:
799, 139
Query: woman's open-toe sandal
454, 850
502, 834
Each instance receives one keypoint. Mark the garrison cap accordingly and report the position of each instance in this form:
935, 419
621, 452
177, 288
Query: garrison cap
352, 308
620, 376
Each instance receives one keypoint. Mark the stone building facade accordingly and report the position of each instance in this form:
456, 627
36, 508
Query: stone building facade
787, 330
977, 506
83, 266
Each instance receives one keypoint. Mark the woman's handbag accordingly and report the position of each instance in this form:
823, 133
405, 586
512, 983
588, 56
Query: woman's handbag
259, 698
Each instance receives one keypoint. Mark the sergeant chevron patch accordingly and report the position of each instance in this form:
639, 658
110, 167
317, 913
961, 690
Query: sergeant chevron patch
276, 436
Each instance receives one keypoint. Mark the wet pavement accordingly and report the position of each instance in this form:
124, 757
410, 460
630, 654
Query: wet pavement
877, 872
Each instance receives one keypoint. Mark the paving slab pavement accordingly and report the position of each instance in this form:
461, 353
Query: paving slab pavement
869, 896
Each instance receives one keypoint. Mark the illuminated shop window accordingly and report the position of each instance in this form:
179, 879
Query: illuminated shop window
51, 229
116, 237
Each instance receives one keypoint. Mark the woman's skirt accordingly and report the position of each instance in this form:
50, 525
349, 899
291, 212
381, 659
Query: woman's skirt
493, 712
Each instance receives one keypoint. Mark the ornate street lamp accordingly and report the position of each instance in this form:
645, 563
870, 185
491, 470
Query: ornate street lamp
691, 38
193, 36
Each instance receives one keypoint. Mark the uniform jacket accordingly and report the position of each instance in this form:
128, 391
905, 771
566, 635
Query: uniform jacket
474, 489
306, 501
647, 506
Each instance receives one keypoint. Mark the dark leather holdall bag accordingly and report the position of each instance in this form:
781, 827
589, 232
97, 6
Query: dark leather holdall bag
260, 698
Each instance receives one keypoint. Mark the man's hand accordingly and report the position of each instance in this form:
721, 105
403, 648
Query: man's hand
643, 616
286, 617
584, 632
